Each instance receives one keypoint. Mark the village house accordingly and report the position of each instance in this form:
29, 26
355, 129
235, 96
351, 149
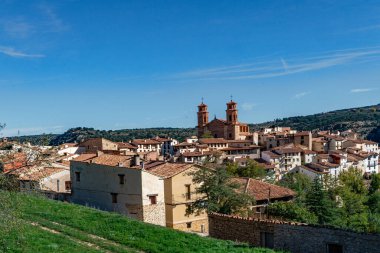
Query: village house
51, 181
263, 193
214, 143
320, 145
368, 163
147, 145
284, 158
126, 148
363, 145
198, 157
179, 195
119, 184
167, 145
98, 144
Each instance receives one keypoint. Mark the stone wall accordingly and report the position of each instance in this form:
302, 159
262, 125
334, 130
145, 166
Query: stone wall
289, 236
197, 226
154, 214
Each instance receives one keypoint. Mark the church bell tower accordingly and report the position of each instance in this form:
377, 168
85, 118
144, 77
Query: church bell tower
202, 118
232, 113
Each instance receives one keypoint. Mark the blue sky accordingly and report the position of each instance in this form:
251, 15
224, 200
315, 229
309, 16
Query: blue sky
134, 64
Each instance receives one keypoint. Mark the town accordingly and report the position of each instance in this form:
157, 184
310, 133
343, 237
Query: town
152, 180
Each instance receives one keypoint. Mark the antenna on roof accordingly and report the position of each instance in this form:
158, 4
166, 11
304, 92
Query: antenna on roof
231, 98
202, 100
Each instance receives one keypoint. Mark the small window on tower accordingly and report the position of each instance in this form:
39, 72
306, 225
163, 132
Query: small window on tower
121, 178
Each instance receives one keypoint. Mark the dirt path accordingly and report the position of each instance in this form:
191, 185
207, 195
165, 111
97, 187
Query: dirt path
84, 243
93, 245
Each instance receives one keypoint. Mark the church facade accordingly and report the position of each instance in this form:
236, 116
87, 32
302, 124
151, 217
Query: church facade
229, 129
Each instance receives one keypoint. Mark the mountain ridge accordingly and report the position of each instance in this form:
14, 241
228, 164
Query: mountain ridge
363, 120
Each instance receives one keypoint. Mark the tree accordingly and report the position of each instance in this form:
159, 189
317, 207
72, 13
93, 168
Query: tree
207, 134
375, 183
353, 180
292, 211
318, 203
220, 193
373, 202
253, 170
298, 182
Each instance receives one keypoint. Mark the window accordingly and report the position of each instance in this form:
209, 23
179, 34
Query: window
67, 185
188, 192
77, 176
114, 197
121, 178
153, 199
334, 248
188, 224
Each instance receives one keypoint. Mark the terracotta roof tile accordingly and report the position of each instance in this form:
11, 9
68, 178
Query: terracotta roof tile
260, 190
167, 170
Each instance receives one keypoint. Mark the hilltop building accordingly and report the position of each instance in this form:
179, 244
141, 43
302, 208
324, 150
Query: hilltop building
229, 129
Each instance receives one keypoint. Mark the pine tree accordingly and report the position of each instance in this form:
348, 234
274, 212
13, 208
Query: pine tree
318, 203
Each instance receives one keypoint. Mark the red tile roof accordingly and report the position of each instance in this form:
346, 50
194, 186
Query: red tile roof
145, 142
262, 190
213, 141
167, 170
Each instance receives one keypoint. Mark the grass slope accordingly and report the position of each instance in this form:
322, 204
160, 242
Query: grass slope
111, 232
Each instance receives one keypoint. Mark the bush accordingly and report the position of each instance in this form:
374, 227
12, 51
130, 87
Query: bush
292, 211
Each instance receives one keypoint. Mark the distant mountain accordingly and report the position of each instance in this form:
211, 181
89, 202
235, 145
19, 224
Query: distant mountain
81, 133
363, 120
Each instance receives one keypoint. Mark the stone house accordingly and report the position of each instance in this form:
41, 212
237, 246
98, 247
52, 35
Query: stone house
179, 194
94, 145
119, 184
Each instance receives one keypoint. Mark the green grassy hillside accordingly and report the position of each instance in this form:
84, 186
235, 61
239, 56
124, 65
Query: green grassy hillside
51, 226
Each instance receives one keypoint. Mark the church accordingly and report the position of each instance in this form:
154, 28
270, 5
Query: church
229, 129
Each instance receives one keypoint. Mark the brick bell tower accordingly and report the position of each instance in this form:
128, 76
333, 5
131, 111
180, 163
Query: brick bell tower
232, 113
202, 118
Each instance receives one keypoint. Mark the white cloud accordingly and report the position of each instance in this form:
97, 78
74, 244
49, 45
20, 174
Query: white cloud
18, 28
362, 90
275, 68
247, 106
15, 53
300, 95
54, 22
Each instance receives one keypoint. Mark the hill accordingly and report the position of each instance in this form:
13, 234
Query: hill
52, 226
364, 120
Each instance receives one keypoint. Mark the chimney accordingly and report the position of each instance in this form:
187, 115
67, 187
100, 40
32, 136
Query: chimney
120, 164
136, 160
99, 153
